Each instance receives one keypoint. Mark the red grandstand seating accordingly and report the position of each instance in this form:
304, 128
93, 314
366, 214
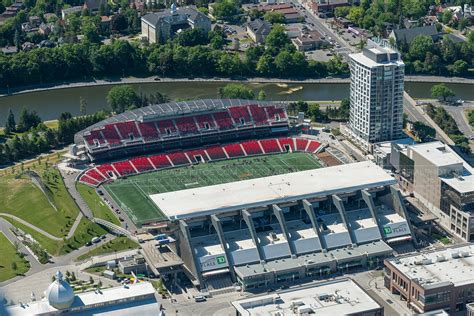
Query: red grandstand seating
107, 170
124, 167
223, 119
270, 146
95, 135
149, 131
275, 112
186, 125
142, 164
234, 150
87, 180
197, 152
178, 158
160, 161
128, 130
205, 121
301, 144
240, 112
216, 152
313, 145
111, 135
166, 127
286, 141
94, 174
252, 147
258, 114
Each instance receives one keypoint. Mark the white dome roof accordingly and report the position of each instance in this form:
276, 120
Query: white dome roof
60, 294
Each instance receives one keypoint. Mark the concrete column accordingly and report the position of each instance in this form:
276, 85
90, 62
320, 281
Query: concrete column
184, 228
253, 233
373, 211
216, 222
281, 219
337, 201
308, 207
401, 210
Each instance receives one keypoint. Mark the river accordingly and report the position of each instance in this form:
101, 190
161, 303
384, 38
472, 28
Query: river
50, 103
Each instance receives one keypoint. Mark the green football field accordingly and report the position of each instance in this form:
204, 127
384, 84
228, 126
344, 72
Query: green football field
132, 193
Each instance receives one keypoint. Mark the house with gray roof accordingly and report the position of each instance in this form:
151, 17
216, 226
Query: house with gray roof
258, 30
159, 27
408, 35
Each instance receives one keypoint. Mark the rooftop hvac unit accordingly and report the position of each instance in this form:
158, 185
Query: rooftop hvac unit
465, 253
455, 254
426, 262
440, 258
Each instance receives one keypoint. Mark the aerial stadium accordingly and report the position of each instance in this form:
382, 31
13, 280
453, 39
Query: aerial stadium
242, 192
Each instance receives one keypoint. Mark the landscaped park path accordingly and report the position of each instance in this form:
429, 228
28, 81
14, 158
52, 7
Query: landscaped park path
39, 230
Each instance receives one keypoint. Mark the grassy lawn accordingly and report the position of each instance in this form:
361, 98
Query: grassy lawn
115, 245
9, 260
20, 197
132, 193
95, 203
84, 233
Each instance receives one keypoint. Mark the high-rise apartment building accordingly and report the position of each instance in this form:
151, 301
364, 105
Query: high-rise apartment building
376, 95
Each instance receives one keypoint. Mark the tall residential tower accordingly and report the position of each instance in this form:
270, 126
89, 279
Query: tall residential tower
376, 95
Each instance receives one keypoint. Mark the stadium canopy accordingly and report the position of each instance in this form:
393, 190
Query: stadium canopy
271, 190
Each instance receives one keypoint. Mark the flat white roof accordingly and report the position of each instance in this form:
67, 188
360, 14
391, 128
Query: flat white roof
269, 190
454, 265
337, 297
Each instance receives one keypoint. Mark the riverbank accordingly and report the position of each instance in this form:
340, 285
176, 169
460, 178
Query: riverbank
154, 79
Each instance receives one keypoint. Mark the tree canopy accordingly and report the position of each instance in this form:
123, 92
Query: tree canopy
236, 91
441, 91
122, 98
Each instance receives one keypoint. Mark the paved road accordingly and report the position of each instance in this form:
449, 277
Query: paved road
70, 183
457, 112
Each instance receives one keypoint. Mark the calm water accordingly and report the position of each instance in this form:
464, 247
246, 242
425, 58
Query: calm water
49, 104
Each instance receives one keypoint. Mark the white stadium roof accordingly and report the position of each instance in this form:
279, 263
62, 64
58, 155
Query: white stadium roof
269, 190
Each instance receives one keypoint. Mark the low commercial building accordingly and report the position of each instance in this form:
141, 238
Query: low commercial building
286, 9
439, 279
309, 40
325, 6
442, 181
136, 265
336, 297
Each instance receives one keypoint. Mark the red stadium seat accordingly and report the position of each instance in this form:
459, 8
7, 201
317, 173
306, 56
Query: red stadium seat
234, 150
270, 146
128, 130
178, 158
205, 122
223, 120
287, 142
94, 174
258, 114
240, 114
107, 170
275, 113
160, 161
186, 125
195, 154
313, 146
301, 144
166, 127
85, 179
95, 138
149, 131
142, 164
252, 147
111, 135
124, 167
216, 152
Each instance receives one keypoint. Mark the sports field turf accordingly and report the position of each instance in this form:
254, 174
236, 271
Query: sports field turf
132, 193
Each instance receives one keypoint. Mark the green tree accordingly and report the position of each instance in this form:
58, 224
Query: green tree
192, 37
421, 45
458, 68
447, 16
261, 95
274, 17
28, 120
10, 124
13, 265
122, 98
423, 132
82, 106
441, 91
342, 11
277, 38
236, 91
356, 14
226, 9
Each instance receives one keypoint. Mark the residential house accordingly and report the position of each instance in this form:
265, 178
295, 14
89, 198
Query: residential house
94, 5
325, 7
289, 12
258, 30
46, 28
408, 35
158, 27
8, 50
